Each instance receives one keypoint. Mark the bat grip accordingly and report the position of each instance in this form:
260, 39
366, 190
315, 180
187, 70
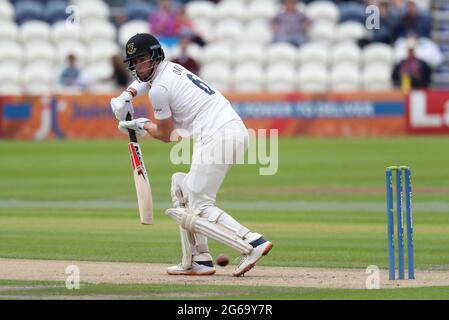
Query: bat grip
131, 133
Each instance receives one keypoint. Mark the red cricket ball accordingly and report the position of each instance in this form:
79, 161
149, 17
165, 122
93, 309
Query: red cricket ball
222, 260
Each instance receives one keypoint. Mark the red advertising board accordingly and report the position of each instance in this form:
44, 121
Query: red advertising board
428, 112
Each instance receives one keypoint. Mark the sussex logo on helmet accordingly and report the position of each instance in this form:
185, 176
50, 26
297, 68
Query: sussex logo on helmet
130, 48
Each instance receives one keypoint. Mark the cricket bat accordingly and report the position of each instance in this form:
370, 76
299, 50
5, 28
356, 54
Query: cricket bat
143, 189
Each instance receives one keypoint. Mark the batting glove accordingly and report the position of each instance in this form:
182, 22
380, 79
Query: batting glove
136, 125
122, 105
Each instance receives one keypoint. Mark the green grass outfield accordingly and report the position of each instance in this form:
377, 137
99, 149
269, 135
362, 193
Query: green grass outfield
75, 200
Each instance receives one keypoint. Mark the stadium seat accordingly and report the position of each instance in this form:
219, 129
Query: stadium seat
323, 11
351, 30
71, 47
38, 88
38, 72
235, 10
323, 31
39, 50
313, 52
281, 52
217, 75
280, 77
201, 10
102, 50
93, 9
247, 77
130, 28
6, 11
346, 51
204, 28
228, 30
248, 52
11, 51
34, 30
98, 30
10, 72
8, 30
99, 71
262, 10
378, 52
10, 89
344, 77
60, 32
258, 32
217, 52
312, 78
376, 77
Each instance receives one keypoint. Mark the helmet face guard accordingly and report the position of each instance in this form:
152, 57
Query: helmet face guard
142, 44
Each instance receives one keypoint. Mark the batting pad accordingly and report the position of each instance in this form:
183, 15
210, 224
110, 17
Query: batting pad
216, 231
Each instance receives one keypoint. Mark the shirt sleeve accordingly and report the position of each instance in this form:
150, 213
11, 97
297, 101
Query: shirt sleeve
159, 101
142, 88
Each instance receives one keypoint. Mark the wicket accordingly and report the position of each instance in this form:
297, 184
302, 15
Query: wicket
400, 171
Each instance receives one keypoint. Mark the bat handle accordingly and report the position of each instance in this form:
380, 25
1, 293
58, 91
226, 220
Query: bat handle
131, 133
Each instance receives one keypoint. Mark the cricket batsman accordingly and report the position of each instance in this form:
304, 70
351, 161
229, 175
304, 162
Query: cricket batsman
182, 101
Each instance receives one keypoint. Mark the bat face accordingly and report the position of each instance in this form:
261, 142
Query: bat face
142, 183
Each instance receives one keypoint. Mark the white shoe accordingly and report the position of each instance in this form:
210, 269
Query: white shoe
195, 270
249, 260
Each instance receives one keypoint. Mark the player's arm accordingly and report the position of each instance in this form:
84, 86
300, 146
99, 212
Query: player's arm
160, 129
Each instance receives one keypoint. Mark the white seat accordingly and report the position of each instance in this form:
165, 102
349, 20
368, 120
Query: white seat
99, 29
257, 32
10, 72
322, 31
228, 30
217, 75
195, 51
313, 52
377, 77
6, 11
102, 50
8, 30
378, 52
40, 50
313, 78
37, 88
262, 10
231, 10
39, 72
345, 77
351, 30
247, 77
281, 52
34, 30
346, 51
11, 51
204, 28
130, 28
93, 9
99, 71
323, 11
200, 10
250, 52
61, 32
71, 47
280, 77
10, 89
217, 52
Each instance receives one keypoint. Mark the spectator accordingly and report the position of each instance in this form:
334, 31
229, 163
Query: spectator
412, 72
185, 25
120, 76
387, 26
72, 76
414, 23
163, 20
290, 25
184, 59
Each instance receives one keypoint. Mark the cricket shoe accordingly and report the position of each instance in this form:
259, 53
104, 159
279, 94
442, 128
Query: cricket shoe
248, 261
199, 268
